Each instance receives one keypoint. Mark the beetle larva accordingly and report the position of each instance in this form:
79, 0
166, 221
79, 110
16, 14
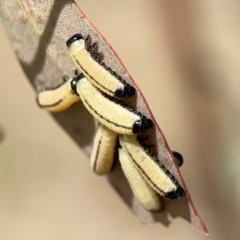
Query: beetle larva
145, 194
113, 115
89, 62
102, 155
58, 98
151, 169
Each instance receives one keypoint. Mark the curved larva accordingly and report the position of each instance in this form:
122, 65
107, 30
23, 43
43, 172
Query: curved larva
102, 156
101, 76
58, 98
109, 113
146, 196
154, 173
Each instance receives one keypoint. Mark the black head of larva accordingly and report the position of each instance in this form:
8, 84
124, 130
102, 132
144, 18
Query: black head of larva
74, 82
74, 86
125, 92
179, 192
178, 158
142, 125
74, 38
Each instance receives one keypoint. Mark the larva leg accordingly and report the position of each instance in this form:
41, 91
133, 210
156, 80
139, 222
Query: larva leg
102, 155
154, 173
142, 142
109, 113
89, 62
58, 98
147, 197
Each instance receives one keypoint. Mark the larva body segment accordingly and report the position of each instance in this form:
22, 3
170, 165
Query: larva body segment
154, 173
109, 113
89, 63
102, 156
147, 197
58, 98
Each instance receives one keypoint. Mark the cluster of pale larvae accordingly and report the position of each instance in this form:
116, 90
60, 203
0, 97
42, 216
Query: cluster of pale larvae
100, 89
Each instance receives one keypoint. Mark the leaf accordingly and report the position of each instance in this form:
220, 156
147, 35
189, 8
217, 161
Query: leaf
38, 31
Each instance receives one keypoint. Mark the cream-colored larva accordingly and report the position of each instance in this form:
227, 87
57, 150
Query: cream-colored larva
109, 113
89, 62
146, 196
146, 175
150, 168
102, 156
58, 98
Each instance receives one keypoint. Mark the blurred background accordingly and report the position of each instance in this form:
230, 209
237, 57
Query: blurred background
185, 56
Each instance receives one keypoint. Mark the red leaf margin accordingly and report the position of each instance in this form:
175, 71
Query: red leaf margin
38, 31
